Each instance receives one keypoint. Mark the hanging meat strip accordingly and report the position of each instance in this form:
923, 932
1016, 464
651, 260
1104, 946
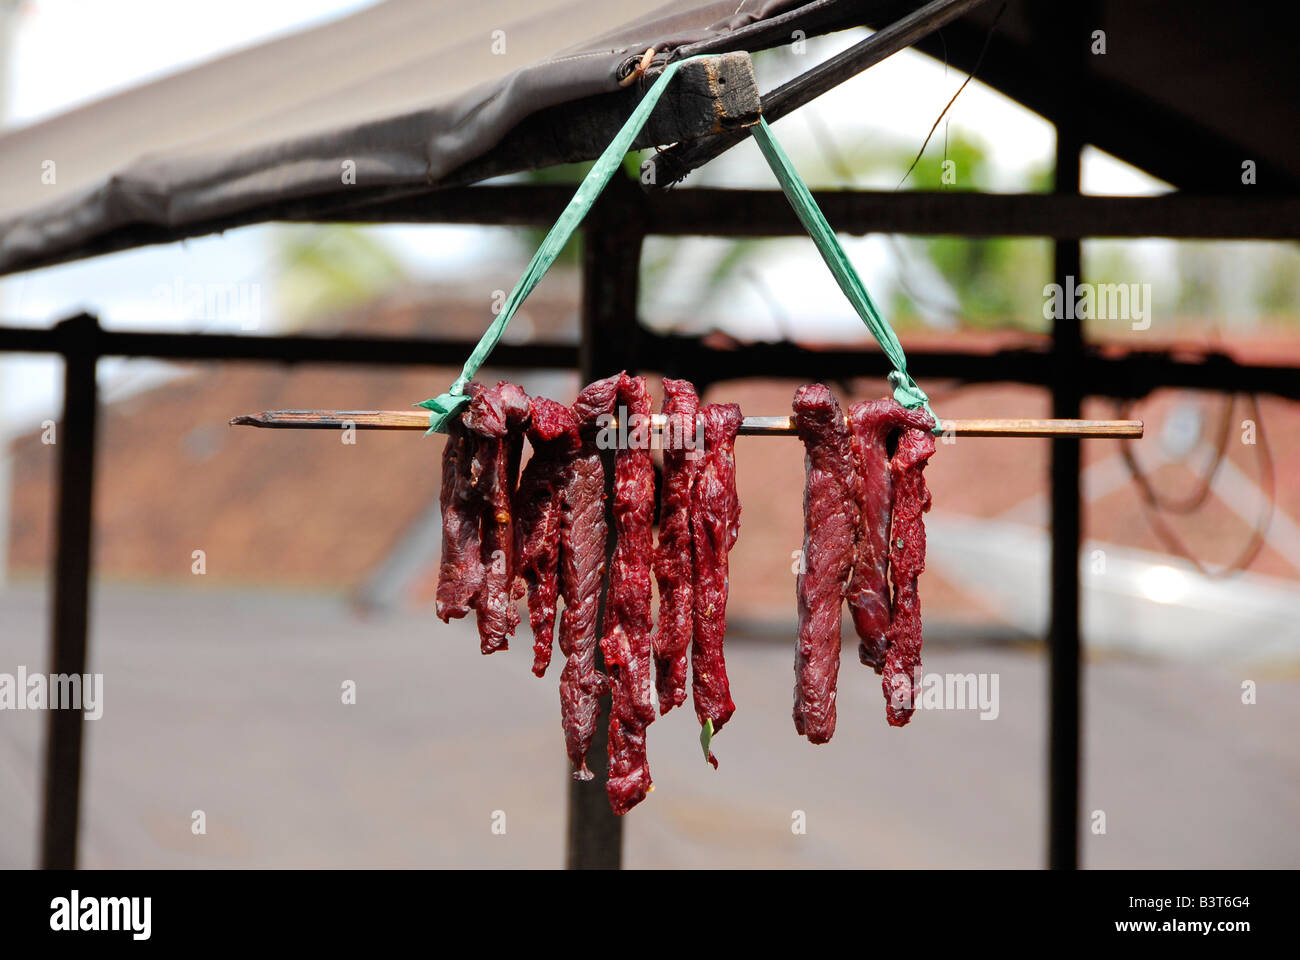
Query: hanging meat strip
907, 560
519, 414
461, 570
628, 621
715, 525
582, 568
672, 562
874, 426
553, 433
830, 505
497, 417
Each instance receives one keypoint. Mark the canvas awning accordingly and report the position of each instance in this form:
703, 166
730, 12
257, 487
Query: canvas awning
406, 92
414, 95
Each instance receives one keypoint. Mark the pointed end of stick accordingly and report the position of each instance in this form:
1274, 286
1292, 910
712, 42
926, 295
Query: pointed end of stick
247, 420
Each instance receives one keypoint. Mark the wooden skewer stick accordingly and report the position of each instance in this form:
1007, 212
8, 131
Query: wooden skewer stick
752, 426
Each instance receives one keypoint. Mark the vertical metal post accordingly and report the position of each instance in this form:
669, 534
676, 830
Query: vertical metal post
1068, 47
611, 260
71, 588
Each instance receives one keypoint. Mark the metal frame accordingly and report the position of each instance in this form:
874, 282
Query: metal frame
1064, 681
613, 340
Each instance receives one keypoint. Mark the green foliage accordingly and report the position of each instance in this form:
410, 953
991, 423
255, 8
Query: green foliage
997, 281
1279, 293
960, 164
326, 269
1209, 288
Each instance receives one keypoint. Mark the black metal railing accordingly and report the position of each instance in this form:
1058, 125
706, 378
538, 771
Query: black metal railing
612, 339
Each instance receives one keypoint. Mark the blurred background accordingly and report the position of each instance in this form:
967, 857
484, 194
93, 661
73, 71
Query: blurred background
223, 688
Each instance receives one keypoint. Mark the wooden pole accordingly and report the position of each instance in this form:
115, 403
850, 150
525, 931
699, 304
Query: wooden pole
751, 426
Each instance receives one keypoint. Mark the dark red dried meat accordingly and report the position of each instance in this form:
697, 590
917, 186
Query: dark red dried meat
831, 496
582, 567
715, 525
461, 570
553, 434
497, 418
873, 424
628, 621
907, 560
673, 564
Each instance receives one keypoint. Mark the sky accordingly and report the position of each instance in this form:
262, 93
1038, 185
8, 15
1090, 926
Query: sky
115, 44
66, 53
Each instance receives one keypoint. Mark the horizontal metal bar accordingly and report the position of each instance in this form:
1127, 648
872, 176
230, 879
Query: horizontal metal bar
767, 213
1128, 375
351, 350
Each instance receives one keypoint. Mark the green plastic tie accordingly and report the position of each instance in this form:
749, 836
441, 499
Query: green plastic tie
448, 404
906, 391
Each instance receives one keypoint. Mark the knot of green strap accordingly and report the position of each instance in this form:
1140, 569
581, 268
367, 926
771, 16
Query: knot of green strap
906, 391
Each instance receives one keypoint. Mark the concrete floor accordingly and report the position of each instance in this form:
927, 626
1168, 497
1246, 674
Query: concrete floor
229, 702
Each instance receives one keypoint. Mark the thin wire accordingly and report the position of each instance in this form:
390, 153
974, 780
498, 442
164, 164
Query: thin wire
1152, 501
971, 76
1205, 482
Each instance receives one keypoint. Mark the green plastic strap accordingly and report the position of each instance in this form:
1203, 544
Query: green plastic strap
450, 403
906, 391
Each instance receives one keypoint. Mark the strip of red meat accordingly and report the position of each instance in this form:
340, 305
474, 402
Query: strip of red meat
519, 416
874, 426
461, 570
907, 560
582, 568
830, 503
715, 525
628, 622
497, 417
553, 433
672, 561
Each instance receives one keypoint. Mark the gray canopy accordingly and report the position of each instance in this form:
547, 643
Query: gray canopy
403, 93
415, 95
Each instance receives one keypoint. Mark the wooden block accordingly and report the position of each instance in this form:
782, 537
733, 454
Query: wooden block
708, 96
